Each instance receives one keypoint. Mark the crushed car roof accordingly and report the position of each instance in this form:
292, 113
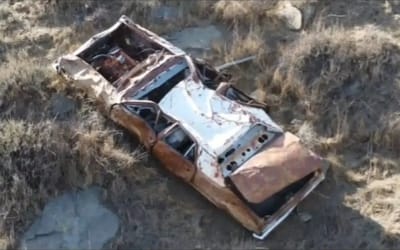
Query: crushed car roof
214, 120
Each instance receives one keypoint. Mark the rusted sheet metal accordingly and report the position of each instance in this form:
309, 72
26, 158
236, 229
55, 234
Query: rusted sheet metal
114, 64
144, 33
173, 161
236, 146
215, 121
273, 221
282, 163
134, 125
151, 73
224, 198
85, 77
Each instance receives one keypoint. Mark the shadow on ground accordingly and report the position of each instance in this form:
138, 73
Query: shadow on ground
163, 212
157, 210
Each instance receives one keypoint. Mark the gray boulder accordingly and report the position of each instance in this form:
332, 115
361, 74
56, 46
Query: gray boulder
75, 220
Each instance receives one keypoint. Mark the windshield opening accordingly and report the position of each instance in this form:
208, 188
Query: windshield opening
164, 82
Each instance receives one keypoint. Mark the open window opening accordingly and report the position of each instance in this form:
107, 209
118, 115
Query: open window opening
119, 52
237, 95
210, 76
156, 120
164, 82
182, 143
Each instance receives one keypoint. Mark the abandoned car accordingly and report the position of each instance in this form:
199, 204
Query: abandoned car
202, 128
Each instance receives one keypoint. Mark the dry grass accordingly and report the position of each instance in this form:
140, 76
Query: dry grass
346, 84
241, 45
39, 160
380, 201
41, 156
22, 81
243, 11
336, 87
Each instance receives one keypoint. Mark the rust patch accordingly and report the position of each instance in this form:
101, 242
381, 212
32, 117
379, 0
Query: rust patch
134, 125
151, 76
282, 163
225, 199
173, 161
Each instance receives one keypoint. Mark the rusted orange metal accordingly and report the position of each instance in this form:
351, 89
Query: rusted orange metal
282, 163
202, 129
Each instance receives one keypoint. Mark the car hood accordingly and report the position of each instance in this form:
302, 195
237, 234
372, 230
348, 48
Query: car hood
280, 164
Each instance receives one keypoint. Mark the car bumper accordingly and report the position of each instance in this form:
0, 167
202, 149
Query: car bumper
280, 215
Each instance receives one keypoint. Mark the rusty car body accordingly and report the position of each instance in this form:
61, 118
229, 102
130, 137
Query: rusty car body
202, 129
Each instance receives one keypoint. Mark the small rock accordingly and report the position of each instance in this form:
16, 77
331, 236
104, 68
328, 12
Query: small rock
296, 122
72, 221
61, 106
290, 15
304, 217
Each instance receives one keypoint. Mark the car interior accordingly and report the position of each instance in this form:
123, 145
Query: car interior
120, 52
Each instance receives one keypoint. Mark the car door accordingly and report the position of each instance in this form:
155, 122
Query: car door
177, 151
138, 118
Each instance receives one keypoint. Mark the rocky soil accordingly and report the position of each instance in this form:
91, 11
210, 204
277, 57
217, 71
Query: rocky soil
329, 70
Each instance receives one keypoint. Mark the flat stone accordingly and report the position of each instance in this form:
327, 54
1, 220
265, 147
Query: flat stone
75, 220
196, 40
61, 106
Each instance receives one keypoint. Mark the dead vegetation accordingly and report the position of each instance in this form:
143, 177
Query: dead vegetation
345, 82
244, 11
40, 160
337, 87
40, 154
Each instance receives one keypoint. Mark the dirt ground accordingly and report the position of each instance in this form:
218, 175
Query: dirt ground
334, 83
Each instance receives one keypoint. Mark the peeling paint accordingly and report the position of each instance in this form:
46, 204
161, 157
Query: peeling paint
201, 128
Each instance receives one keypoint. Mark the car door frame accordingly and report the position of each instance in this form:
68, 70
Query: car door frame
135, 124
173, 160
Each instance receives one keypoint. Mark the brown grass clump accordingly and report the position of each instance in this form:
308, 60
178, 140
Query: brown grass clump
242, 45
21, 78
34, 160
41, 155
39, 160
345, 83
379, 200
338, 89
243, 11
